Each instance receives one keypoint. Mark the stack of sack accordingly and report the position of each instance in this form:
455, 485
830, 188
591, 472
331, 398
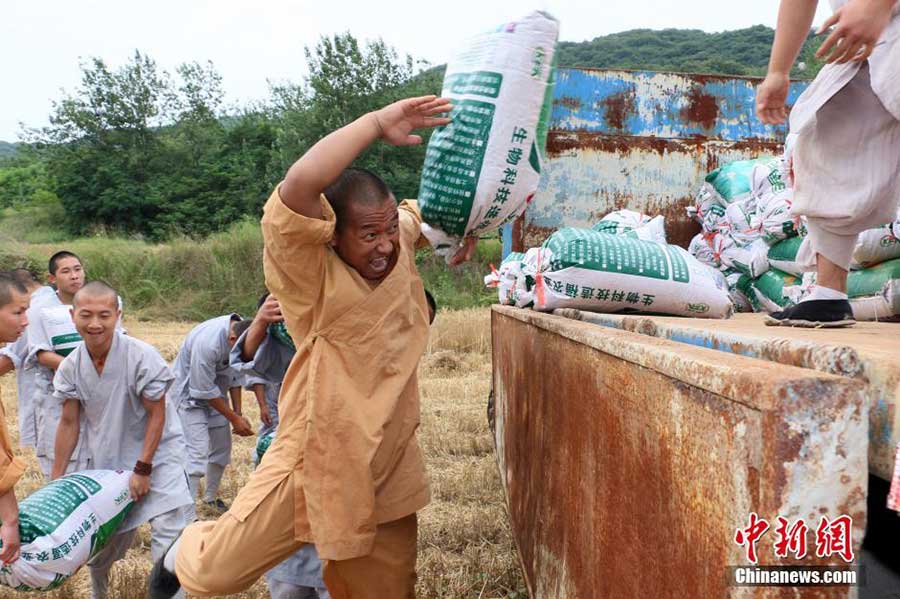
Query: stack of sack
750, 235
621, 265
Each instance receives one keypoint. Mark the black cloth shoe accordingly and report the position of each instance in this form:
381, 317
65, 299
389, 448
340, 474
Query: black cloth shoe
814, 314
162, 583
217, 505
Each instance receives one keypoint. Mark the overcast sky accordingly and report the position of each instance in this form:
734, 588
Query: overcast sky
250, 42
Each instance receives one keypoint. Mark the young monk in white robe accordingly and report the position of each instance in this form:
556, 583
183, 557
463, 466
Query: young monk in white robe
119, 383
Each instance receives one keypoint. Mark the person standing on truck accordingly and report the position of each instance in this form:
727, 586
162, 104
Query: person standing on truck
846, 153
345, 471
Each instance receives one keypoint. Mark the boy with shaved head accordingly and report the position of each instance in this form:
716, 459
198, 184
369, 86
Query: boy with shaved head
51, 336
119, 384
13, 320
13, 356
203, 380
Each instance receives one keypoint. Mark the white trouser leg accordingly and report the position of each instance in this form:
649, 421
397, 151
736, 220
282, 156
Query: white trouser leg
214, 473
164, 529
102, 563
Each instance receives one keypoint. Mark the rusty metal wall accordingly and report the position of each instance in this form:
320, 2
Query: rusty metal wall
867, 352
629, 461
641, 140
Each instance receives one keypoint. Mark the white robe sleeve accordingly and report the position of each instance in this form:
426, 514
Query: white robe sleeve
202, 377
153, 377
17, 351
64, 380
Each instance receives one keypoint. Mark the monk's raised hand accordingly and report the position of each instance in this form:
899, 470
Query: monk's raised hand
397, 121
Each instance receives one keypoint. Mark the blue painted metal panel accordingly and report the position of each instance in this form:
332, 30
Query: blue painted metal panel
644, 141
666, 105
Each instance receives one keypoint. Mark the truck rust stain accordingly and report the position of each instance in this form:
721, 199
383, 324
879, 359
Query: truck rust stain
702, 108
568, 102
619, 107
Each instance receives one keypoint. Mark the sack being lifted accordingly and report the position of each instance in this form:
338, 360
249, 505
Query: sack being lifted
588, 270
65, 524
483, 168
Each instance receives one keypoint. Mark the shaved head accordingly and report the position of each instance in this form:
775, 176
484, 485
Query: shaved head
97, 290
9, 287
25, 277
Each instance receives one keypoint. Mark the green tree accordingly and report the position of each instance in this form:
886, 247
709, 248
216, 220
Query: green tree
346, 80
139, 151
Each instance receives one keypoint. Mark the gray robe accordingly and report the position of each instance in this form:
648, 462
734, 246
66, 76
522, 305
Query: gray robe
202, 371
268, 366
117, 421
26, 385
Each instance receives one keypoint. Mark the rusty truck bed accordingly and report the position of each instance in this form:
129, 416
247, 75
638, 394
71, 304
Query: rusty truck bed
869, 352
629, 460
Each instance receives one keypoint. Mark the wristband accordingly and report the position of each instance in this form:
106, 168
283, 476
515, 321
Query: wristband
143, 468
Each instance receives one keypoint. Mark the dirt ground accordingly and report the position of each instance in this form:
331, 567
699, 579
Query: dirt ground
465, 548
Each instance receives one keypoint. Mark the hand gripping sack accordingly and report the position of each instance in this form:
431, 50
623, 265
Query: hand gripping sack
64, 524
587, 270
483, 168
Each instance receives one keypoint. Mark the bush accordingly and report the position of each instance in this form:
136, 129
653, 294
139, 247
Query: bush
188, 279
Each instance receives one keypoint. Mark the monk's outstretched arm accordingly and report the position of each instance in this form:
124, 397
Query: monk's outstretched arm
325, 161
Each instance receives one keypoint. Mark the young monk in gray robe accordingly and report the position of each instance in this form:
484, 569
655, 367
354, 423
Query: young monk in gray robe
119, 383
13, 356
203, 378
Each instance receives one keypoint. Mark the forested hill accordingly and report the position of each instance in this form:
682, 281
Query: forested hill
739, 52
7, 149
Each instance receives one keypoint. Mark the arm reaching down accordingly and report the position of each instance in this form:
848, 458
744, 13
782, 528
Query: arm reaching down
139, 485
259, 390
795, 18
9, 529
239, 424
66, 437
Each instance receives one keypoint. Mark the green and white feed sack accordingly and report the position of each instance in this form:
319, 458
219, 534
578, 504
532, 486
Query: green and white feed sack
64, 524
588, 270
481, 170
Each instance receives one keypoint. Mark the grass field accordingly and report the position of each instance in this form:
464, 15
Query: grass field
465, 548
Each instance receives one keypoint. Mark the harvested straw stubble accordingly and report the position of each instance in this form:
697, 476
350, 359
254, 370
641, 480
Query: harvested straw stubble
465, 547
